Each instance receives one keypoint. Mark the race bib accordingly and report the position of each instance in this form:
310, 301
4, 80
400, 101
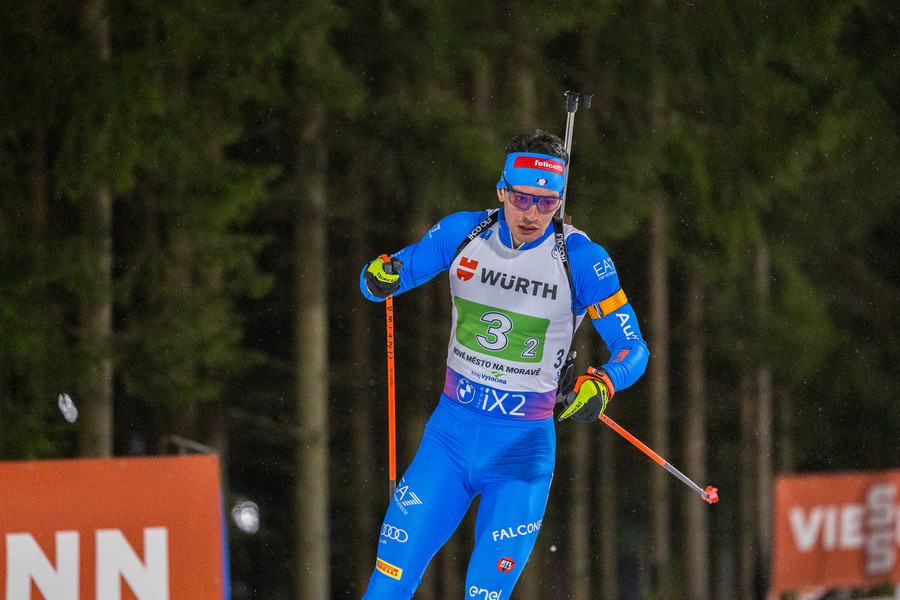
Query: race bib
503, 334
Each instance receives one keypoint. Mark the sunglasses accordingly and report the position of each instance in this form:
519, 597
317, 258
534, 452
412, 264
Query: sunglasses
545, 204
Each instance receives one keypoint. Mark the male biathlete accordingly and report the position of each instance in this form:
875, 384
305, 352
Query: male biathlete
521, 282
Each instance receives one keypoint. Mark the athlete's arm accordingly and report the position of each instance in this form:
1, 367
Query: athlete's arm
598, 292
432, 254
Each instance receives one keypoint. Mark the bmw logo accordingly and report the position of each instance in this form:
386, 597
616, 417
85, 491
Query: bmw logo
465, 392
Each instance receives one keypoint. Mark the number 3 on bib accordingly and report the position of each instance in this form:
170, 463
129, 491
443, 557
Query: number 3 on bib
506, 335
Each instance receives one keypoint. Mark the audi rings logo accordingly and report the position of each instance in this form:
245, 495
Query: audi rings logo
394, 533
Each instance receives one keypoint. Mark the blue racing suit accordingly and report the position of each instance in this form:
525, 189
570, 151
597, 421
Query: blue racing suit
492, 432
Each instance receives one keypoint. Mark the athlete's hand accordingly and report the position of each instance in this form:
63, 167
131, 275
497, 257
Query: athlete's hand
383, 276
584, 399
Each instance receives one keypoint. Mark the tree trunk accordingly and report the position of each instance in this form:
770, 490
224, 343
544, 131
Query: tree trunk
659, 394
579, 496
364, 413
658, 368
608, 518
578, 513
365, 487
696, 522
311, 318
96, 403
481, 101
786, 460
747, 569
765, 490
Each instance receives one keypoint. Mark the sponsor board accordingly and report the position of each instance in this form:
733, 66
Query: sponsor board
136, 528
836, 531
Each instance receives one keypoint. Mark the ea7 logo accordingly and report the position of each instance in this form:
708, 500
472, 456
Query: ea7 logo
466, 268
411, 500
604, 268
404, 498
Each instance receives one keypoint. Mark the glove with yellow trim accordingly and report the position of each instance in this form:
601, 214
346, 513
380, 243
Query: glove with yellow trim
383, 276
584, 399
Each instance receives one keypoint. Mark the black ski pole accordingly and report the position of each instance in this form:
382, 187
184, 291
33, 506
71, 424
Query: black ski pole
573, 101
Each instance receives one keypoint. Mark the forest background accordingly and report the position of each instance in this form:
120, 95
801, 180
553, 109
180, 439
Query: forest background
189, 189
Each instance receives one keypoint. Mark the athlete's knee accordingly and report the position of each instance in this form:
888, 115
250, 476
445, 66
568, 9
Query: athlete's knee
493, 581
494, 570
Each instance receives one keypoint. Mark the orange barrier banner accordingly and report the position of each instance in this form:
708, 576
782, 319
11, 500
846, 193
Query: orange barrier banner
110, 529
836, 531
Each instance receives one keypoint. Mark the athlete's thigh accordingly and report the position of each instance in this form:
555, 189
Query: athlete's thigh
509, 518
430, 501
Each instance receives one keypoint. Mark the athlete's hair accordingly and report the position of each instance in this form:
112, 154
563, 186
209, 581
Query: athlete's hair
539, 142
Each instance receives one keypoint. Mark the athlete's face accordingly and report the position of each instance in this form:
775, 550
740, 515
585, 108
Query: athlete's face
529, 224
